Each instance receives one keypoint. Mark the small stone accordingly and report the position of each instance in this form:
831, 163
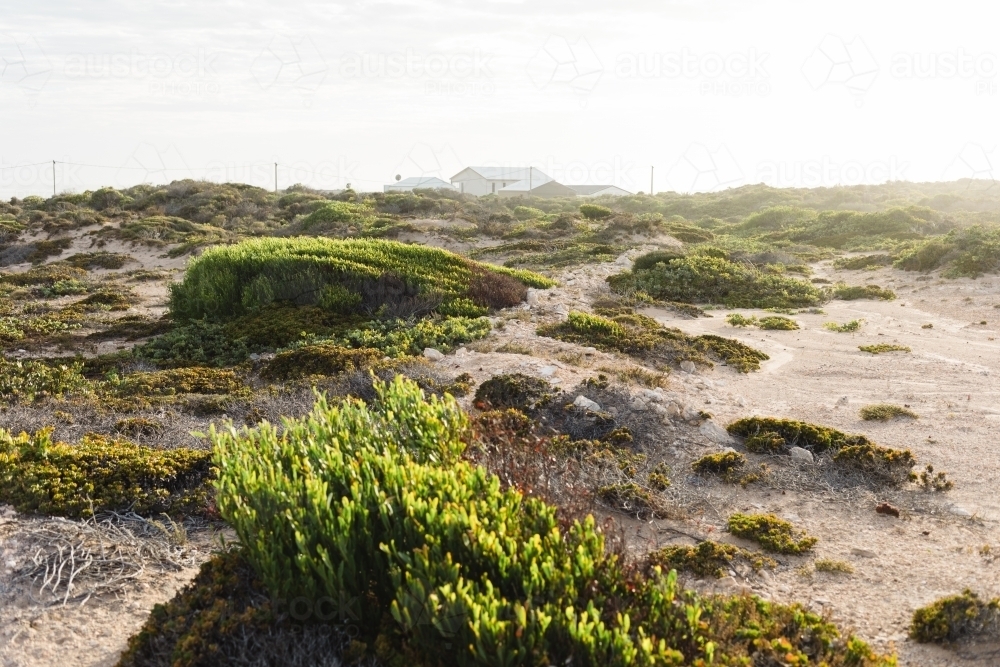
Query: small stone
673, 409
689, 414
547, 371
532, 298
842, 400
638, 405
740, 401
687, 366
864, 553
561, 309
462, 352
254, 357
432, 354
959, 511
800, 454
587, 404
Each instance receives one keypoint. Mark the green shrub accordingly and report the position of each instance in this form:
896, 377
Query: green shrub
397, 338
719, 464
180, 381
47, 274
863, 262
196, 343
846, 327
737, 320
651, 259
770, 532
703, 279
98, 260
955, 617
100, 474
881, 464
708, 558
595, 212
642, 337
853, 292
766, 442
528, 213
929, 481
321, 359
228, 281
630, 498
817, 439
27, 380
517, 391
882, 348
443, 566
885, 412
777, 322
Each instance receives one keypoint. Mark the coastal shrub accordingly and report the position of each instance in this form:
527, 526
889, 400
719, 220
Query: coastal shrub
443, 566
180, 381
515, 390
708, 558
777, 323
630, 498
228, 281
651, 259
643, 337
719, 464
397, 338
100, 474
29, 379
882, 348
703, 279
737, 320
595, 212
863, 262
846, 327
955, 617
196, 343
771, 532
928, 480
881, 464
885, 412
98, 260
817, 439
853, 292
321, 359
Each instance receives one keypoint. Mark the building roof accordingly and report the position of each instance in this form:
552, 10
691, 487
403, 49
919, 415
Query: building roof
503, 173
537, 178
422, 182
592, 189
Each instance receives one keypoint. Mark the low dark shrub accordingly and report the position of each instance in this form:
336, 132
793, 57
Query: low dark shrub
516, 390
770, 532
321, 359
956, 617
595, 212
180, 381
708, 558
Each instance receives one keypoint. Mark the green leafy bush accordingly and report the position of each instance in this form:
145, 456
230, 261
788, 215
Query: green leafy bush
27, 380
180, 381
99, 474
882, 464
704, 279
397, 338
737, 320
196, 343
885, 412
778, 323
863, 262
642, 337
441, 565
853, 292
817, 439
595, 212
955, 617
846, 327
517, 391
770, 532
651, 259
321, 359
719, 464
882, 348
228, 281
708, 558
630, 498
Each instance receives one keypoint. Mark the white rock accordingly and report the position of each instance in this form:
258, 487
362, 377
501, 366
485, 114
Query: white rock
651, 395
674, 409
740, 401
589, 351
687, 366
842, 400
689, 413
462, 352
432, 354
800, 454
714, 432
587, 404
638, 405
532, 297
864, 553
547, 371
959, 511
254, 357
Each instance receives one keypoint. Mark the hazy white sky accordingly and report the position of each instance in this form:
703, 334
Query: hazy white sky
712, 93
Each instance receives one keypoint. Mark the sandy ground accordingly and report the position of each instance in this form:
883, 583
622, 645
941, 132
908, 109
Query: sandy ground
935, 548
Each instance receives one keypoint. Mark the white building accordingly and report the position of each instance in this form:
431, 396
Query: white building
598, 190
536, 188
482, 181
414, 182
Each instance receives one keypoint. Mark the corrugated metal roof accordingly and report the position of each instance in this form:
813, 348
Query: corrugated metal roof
506, 173
591, 189
422, 182
536, 180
